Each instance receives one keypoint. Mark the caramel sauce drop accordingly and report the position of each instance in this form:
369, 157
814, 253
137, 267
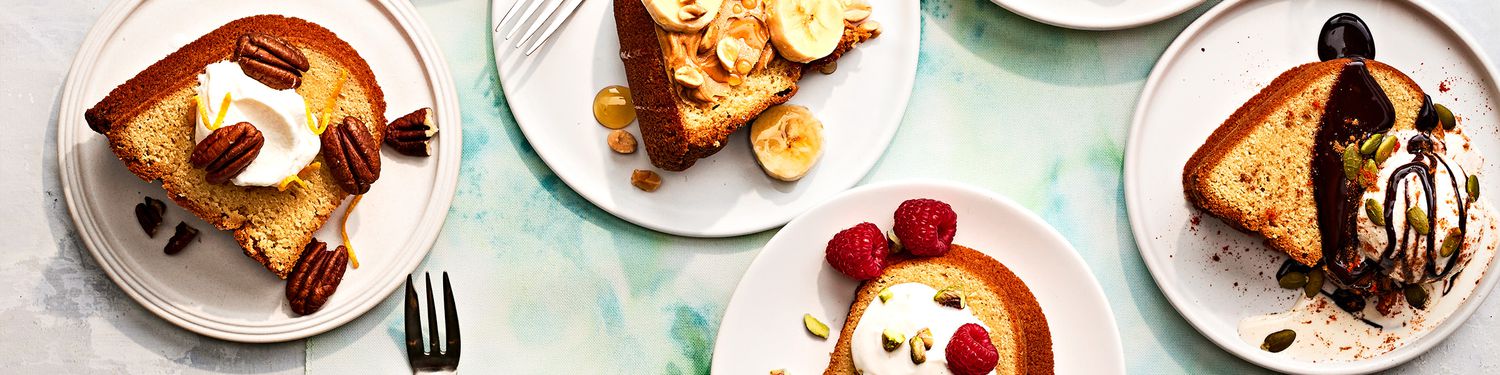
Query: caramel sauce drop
613, 107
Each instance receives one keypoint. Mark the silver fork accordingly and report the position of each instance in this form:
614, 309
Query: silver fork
431, 360
553, 17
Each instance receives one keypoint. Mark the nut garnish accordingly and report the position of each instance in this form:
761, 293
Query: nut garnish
688, 76
315, 277
148, 214
1279, 340
1375, 211
893, 242
815, 327
856, 12
1416, 296
645, 180
227, 151
951, 297
1451, 243
886, 294
829, 68
778, 372
871, 27
1417, 219
925, 335
270, 60
1314, 283
918, 351
412, 134
353, 155
183, 236
891, 340
1472, 187
622, 141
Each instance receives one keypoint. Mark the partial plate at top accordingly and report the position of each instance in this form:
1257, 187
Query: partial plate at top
1098, 14
1214, 275
551, 94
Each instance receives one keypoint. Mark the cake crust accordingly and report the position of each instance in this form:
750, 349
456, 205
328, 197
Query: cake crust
149, 122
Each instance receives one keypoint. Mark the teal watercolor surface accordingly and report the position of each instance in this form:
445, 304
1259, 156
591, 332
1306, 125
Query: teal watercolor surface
549, 283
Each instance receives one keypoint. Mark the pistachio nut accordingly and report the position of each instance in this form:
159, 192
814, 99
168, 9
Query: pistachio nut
778, 372
1279, 340
951, 297
886, 294
1370, 145
1417, 219
1375, 211
918, 351
926, 336
891, 340
815, 327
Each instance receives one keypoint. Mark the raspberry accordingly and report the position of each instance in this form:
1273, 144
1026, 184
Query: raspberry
925, 227
970, 351
858, 252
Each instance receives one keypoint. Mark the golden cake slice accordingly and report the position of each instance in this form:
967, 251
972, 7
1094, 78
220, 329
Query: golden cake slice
683, 122
150, 123
996, 297
1255, 170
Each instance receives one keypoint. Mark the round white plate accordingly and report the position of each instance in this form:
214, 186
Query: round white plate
551, 94
212, 288
1098, 14
762, 327
1215, 275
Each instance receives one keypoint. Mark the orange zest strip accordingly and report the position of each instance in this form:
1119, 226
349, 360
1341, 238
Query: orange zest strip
344, 231
309, 169
223, 109
338, 89
202, 110
312, 122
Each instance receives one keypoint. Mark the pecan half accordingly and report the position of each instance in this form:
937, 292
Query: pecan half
315, 277
270, 60
412, 134
227, 151
353, 155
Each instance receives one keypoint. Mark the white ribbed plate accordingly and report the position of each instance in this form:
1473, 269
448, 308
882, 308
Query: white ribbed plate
212, 288
1214, 275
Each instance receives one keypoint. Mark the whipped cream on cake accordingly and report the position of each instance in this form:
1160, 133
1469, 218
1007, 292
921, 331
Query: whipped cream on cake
280, 115
910, 309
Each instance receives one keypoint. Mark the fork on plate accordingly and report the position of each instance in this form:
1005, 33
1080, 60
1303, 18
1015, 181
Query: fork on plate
557, 13
432, 359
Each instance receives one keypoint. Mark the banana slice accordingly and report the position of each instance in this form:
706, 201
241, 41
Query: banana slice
683, 15
805, 30
787, 141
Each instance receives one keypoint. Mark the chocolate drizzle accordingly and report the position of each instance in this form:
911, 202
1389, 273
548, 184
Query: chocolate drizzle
1358, 108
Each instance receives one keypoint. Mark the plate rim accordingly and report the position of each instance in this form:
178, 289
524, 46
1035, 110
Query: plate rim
1023, 214
410, 24
905, 84
1114, 24
1134, 204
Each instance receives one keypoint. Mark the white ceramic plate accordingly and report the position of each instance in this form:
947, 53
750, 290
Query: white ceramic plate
1098, 14
1212, 274
211, 287
762, 327
551, 93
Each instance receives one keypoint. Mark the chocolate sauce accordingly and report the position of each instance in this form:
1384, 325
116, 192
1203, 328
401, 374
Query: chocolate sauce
1345, 35
1357, 108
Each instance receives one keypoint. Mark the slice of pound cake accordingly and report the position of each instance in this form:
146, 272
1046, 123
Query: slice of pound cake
238, 125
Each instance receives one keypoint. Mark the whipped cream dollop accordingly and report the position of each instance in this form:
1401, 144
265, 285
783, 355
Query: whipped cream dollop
1414, 258
280, 115
910, 309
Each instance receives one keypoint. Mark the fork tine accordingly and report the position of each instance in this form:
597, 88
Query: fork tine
540, 20
450, 319
508, 13
556, 23
432, 332
525, 15
413, 322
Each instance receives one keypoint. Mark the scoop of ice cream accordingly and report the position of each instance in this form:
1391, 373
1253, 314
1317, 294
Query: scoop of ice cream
1416, 256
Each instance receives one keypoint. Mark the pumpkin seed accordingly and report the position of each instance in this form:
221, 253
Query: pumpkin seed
1387, 147
1451, 243
1473, 186
1445, 116
814, 326
1370, 145
1416, 296
1279, 340
891, 340
1352, 162
1368, 175
1417, 219
1314, 284
1293, 280
1375, 211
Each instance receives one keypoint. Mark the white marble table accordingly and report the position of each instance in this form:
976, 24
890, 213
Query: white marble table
61, 314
